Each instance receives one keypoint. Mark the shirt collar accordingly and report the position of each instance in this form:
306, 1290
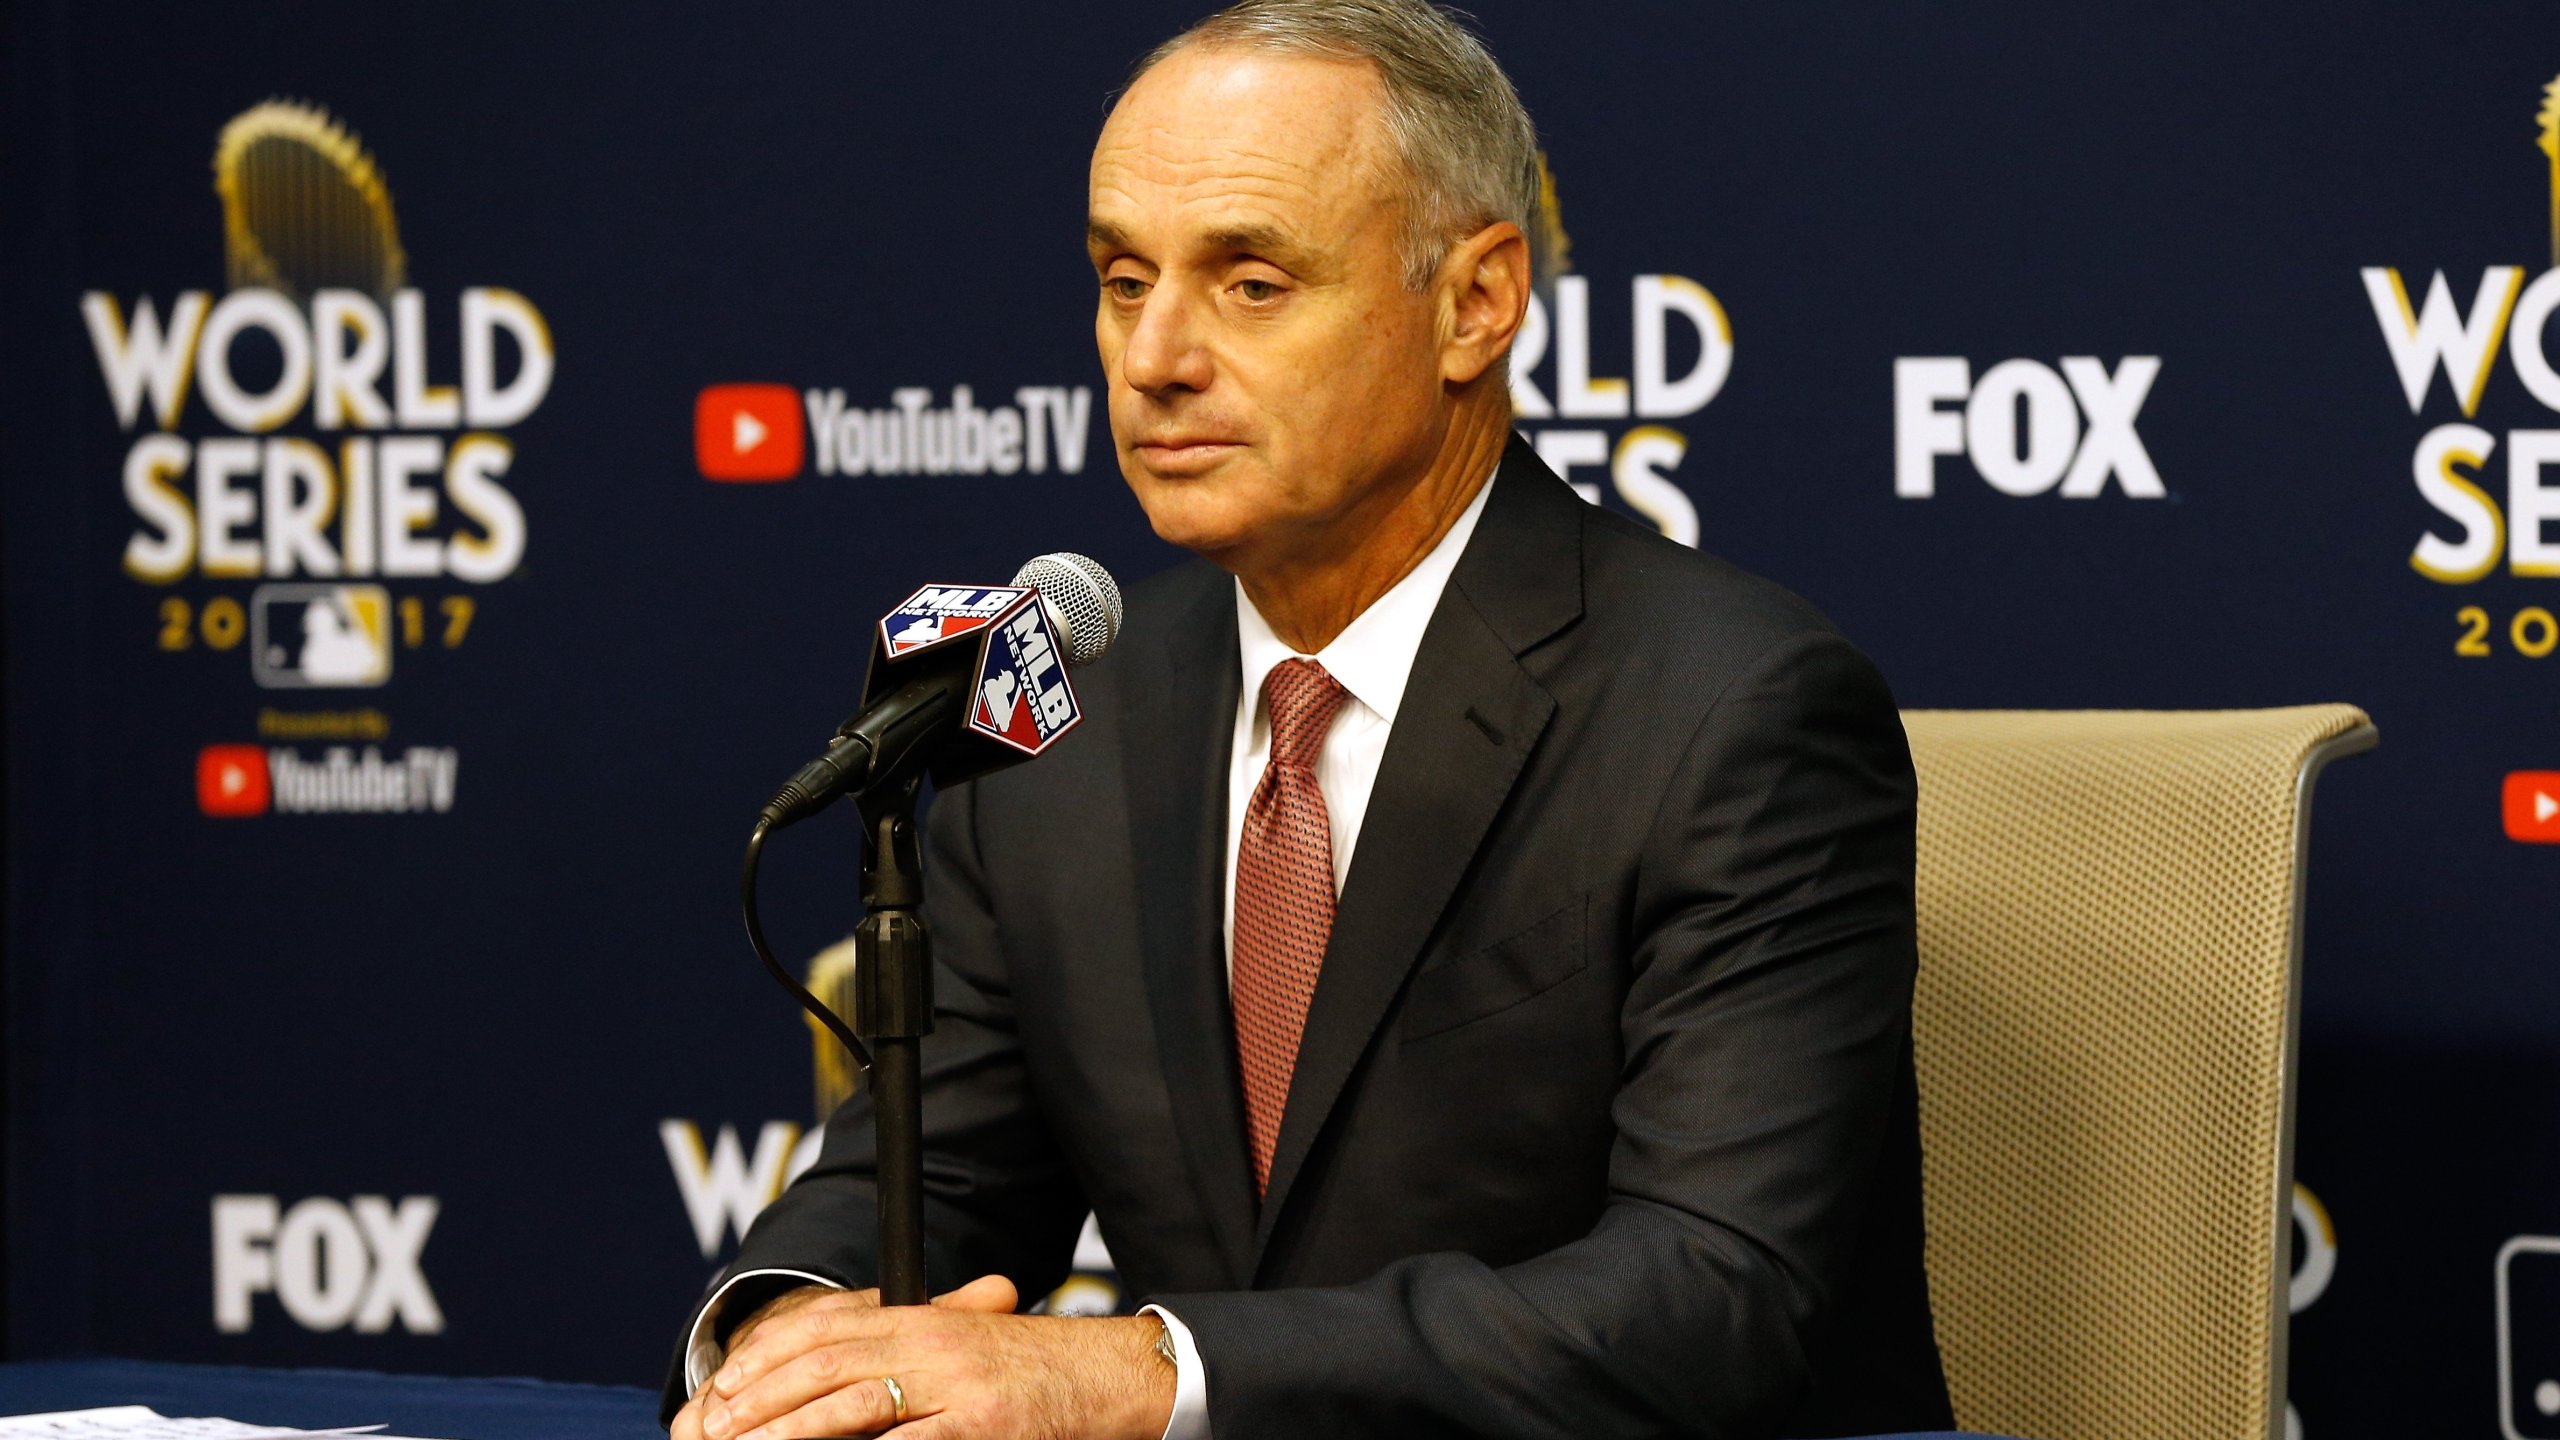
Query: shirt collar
1373, 656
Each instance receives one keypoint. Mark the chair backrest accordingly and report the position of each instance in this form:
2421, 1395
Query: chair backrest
830, 978
2104, 1030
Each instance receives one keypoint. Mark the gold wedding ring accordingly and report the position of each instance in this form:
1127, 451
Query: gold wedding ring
897, 1396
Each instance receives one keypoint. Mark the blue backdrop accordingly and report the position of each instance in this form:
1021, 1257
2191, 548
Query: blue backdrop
378, 756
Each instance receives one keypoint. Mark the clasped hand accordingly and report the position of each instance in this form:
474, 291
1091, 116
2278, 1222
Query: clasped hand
811, 1362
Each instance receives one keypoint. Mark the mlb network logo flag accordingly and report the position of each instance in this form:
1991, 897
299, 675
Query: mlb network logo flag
1024, 699
747, 432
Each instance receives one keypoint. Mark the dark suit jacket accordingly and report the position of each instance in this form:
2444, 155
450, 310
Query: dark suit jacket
1603, 1121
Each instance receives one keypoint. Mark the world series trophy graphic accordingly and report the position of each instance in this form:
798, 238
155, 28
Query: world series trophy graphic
304, 208
2550, 143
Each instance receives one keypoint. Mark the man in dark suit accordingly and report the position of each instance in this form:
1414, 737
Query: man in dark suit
1465, 961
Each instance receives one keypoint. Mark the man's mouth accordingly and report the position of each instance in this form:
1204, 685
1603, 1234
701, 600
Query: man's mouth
1183, 454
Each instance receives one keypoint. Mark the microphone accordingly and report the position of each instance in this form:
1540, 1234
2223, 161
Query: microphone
964, 679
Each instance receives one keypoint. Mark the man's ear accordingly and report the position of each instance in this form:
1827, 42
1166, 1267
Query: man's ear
1484, 284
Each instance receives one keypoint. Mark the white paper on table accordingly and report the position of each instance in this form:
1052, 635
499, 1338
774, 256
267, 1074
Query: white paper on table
140, 1422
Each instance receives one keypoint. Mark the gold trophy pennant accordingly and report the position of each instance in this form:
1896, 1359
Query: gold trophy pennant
303, 206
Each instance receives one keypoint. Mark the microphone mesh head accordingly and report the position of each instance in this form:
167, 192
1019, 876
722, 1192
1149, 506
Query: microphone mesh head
1081, 597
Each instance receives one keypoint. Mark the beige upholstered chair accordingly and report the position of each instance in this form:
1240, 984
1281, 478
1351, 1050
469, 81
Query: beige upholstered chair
2109, 977
2105, 1031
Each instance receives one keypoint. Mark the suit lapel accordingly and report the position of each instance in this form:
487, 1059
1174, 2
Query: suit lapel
1469, 720
1178, 723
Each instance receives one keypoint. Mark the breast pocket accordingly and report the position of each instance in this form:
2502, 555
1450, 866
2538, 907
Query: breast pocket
1493, 978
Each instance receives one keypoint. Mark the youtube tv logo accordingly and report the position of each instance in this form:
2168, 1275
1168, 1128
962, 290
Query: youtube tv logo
747, 432
2532, 806
231, 780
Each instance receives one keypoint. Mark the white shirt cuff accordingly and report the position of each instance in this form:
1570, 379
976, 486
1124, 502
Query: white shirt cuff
1190, 1419
703, 1353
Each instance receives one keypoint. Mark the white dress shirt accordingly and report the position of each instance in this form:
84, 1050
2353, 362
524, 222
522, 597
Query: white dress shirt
1372, 658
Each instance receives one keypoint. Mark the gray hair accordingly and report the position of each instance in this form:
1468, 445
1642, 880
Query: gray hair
1467, 144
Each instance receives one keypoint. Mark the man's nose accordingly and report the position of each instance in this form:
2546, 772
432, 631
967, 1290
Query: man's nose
1165, 350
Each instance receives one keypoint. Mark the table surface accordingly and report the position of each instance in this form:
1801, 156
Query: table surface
419, 1405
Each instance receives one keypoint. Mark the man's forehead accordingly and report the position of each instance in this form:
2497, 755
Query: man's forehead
1242, 124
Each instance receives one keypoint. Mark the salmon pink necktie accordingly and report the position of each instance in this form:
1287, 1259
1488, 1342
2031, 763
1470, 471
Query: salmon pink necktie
1284, 899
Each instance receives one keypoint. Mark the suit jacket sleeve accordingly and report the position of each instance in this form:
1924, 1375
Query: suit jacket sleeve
1765, 1025
999, 1197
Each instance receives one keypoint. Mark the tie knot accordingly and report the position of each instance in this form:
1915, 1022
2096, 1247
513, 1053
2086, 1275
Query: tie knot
1303, 699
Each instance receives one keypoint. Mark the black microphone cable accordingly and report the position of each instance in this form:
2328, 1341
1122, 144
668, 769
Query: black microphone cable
781, 973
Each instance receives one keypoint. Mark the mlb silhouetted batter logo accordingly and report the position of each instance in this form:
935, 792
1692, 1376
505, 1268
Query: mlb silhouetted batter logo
320, 636
937, 613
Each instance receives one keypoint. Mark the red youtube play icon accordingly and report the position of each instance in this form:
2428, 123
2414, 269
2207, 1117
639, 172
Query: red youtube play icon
231, 780
2533, 806
747, 432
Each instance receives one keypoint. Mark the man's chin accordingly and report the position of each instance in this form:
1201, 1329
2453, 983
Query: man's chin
1193, 517
1202, 536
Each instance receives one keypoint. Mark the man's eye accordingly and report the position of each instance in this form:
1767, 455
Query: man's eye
1257, 291
1126, 287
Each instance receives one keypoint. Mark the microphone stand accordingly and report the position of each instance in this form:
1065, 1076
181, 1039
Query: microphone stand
880, 756
893, 1010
